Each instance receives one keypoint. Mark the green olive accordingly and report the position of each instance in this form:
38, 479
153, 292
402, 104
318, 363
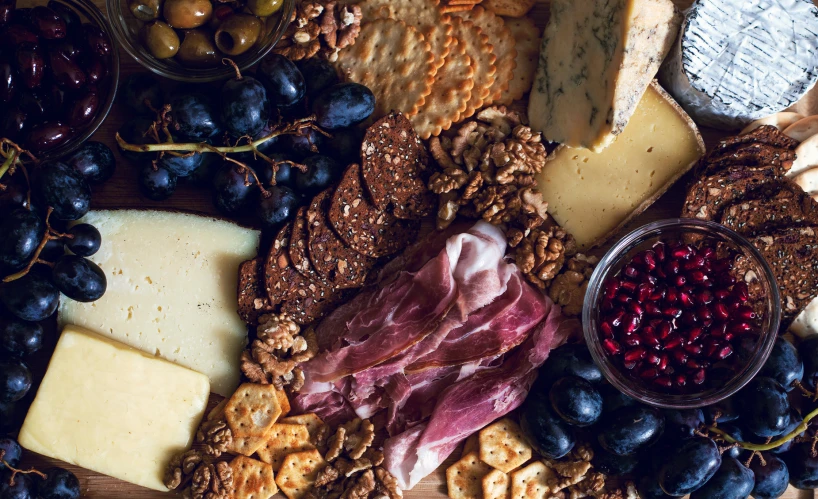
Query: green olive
145, 10
238, 33
220, 13
197, 49
160, 40
264, 8
187, 14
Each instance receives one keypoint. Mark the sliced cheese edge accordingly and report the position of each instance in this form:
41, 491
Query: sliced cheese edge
112, 409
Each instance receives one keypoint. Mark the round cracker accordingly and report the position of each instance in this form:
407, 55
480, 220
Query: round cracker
423, 15
450, 95
502, 43
527, 42
395, 61
482, 53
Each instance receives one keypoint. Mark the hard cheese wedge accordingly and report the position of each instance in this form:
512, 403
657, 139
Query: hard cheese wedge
112, 409
594, 194
596, 59
172, 281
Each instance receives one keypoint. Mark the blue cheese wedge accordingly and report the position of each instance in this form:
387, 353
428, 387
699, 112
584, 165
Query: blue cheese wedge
109, 408
597, 57
172, 289
737, 61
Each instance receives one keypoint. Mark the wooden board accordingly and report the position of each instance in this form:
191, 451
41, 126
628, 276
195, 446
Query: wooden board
122, 192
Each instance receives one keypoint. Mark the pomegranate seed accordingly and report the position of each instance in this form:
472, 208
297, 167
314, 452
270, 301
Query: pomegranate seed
650, 279
649, 373
740, 327
644, 291
650, 339
680, 380
678, 356
663, 360
650, 260
634, 354
628, 286
693, 348
632, 340
673, 341
659, 250
704, 297
724, 352
636, 309
726, 279
674, 312
607, 329
671, 296
629, 365
616, 317
692, 364
682, 253
664, 330
695, 262
672, 267
720, 311
704, 313
632, 323
710, 347
611, 346
722, 294
707, 322
686, 299
623, 298
689, 319
655, 322
728, 336
722, 265
698, 276
652, 309
652, 358
663, 381
719, 331
660, 273
694, 333
680, 280
708, 253
741, 291
611, 288
658, 295
698, 377
631, 271
745, 313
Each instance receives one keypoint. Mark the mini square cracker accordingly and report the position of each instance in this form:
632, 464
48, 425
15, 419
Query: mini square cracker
503, 446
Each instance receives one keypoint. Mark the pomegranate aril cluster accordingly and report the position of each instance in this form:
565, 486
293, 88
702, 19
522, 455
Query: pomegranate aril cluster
672, 313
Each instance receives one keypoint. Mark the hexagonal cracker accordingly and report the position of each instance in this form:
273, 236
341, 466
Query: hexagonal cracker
464, 478
298, 472
310, 420
251, 413
503, 446
496, 485
284, 439
252, 479
531, 482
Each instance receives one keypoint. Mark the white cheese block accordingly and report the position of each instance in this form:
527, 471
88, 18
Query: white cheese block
780, 120
112, 409
597, 57
172, 284
802, 129
739, 60
592, 195
806, 324
807, 180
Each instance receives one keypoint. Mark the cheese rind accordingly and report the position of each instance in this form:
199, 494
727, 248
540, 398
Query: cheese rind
110, 408
736, 61
172, 284
592, 195
596, 59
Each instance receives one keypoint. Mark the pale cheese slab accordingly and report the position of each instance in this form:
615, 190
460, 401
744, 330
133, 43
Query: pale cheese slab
172, 284
110, 408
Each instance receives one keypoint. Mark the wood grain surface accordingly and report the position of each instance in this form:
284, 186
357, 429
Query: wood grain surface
122, 192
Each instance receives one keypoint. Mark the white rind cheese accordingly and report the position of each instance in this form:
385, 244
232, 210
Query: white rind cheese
596, 59
739, 60
109, 408
172, 284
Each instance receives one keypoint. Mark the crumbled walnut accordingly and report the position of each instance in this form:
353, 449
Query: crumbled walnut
336, 444
339, 28
319, 438
568, 288
542, 253
277, 331
273, 358
387, 484
326, 476
320, 28
362, 487
211, 481
570, 473
181, 467
216, 437
348, 468
594, 482
582, 452
359, 436
305, 347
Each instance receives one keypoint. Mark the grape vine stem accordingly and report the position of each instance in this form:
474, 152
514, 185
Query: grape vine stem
801, 428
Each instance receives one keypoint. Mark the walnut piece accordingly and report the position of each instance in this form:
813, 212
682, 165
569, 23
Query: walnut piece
274, 356
542, 253
277, 331
326, 476
320, 28
181, 468
593, 482
359, 435
215, 436
387, 484
362, 487
336, 444
568, 288
211, 481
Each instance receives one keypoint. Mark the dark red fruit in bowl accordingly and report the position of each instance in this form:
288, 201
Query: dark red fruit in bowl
95, 69
71, 18
49, 25
15, 35
7, 82
30, 64
66, 72
83, 109
48, 135
96, 39
67, 48
13, 123
6, 8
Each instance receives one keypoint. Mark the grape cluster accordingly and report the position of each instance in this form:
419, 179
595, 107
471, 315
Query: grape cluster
753, 443
285, 169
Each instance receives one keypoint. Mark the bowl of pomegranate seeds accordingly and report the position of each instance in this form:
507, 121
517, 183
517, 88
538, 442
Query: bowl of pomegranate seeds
681, 313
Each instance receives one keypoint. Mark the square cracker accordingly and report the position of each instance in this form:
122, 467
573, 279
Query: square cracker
527, 43
502, 43
479, 48
395, 61
450, 95
310, 420
496, 485
298, 472
503, 446
250, 413
464, 478
510, 8
283, 402
252, 479
284, 439
531, 482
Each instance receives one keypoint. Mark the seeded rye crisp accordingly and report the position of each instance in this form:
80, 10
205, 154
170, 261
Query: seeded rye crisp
299, 243
252, 299
279, 275
365, 228
394, 163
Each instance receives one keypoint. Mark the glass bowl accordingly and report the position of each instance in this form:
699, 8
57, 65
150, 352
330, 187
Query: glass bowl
729, 375
88, 12
126, 30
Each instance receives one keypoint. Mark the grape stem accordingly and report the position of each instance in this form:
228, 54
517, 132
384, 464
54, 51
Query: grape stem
50, 234
801, 428
15, 471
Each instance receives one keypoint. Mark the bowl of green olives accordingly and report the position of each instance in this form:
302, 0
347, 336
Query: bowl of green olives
187, 40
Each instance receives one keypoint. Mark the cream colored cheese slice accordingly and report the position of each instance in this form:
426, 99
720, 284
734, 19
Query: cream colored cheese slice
172, 284
110, 408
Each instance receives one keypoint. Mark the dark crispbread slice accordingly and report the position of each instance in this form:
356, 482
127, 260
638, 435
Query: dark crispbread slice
787, 206
279, 274
394, 161
792, 254
766, 134
299, 248
337, 263
252, 299
365, 228
312, 301
709, 195
753, 154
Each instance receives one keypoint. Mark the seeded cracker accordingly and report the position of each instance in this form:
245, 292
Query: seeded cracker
465, 477
339, 264
423, 15
502, 42
527, 43
450, 95
310, 420
364, 227
252, 479
251, 413
279, 275
252, 299
299, 242
394, 161
311, 301
496, 485
531, 482
395, 61
503, 447
284, 439
479, 48
298, 472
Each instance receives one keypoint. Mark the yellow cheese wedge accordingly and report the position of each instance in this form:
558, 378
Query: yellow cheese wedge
109, 408
592, 195
172, 281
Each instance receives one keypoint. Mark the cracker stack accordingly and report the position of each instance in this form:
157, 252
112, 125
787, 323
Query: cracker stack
439, 64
